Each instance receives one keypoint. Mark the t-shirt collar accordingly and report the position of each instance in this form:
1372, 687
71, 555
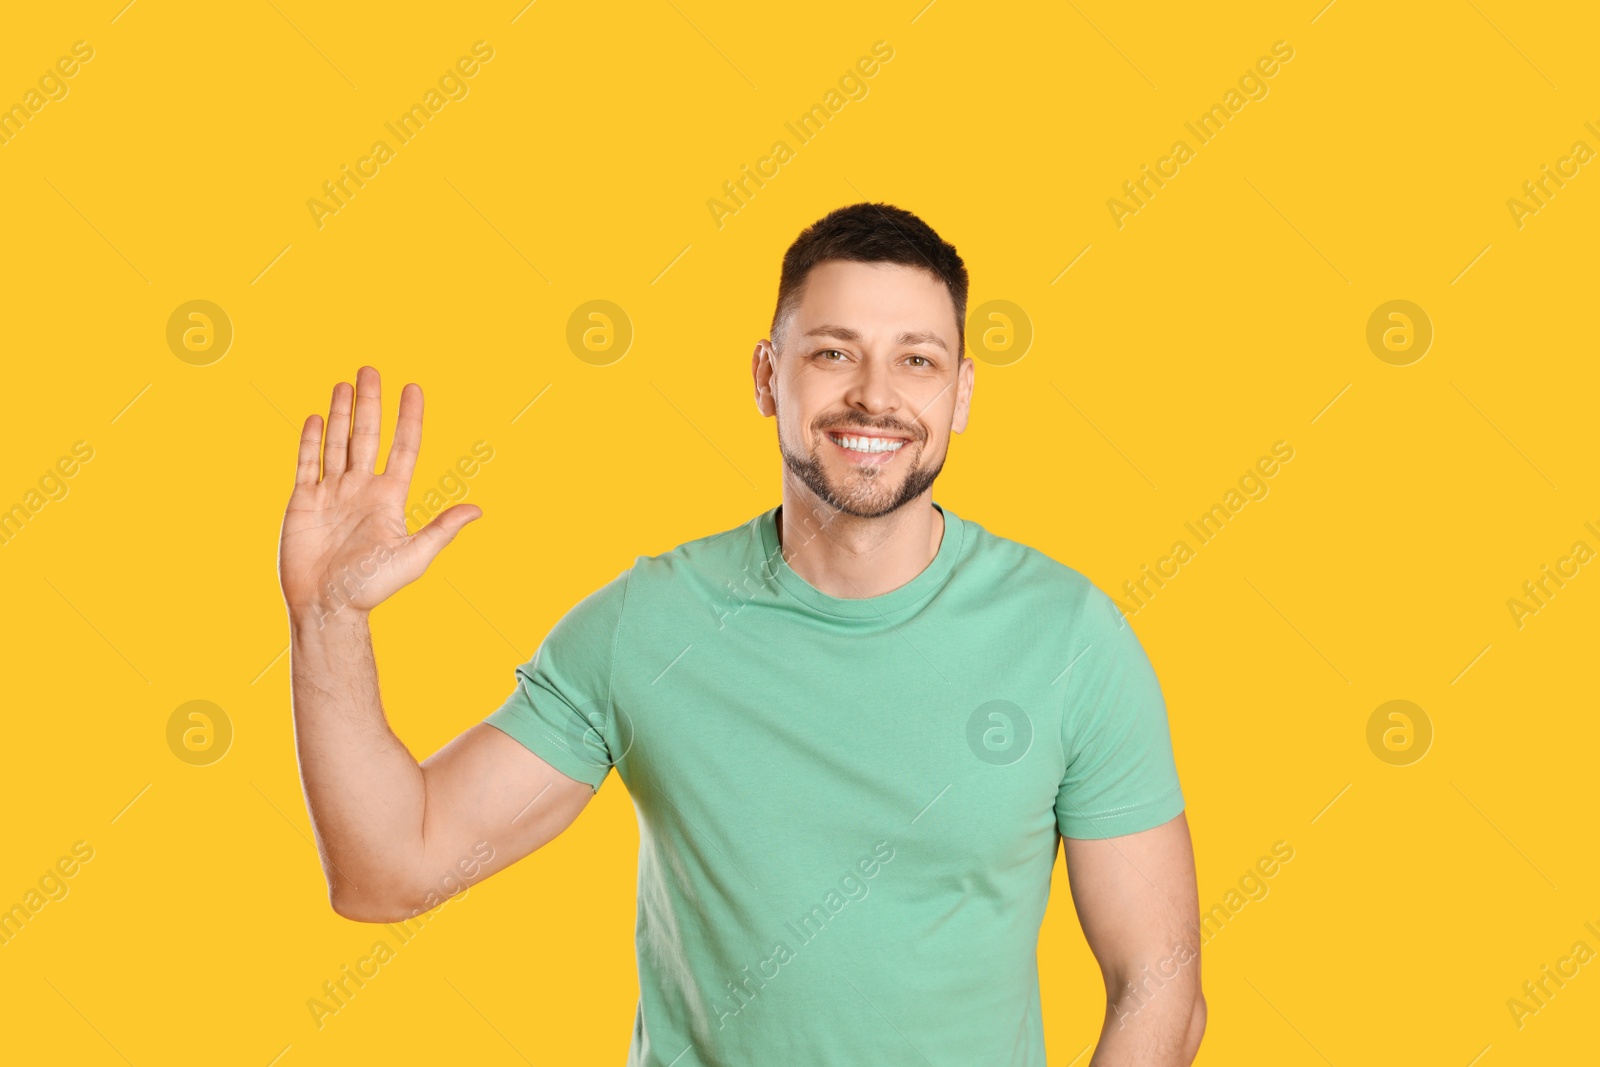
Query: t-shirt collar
925, 584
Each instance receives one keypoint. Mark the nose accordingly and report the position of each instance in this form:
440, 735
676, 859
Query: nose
871, 390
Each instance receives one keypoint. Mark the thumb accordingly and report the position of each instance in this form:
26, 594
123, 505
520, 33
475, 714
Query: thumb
432, 538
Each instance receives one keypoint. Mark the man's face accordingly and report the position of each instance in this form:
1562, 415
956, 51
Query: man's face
870, 355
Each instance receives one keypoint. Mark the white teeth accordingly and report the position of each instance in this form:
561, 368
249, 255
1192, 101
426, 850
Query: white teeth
867, 444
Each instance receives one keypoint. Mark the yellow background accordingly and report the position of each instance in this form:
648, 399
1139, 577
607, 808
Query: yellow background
1228, 314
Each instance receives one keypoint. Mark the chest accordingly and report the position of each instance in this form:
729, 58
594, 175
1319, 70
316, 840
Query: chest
770, 742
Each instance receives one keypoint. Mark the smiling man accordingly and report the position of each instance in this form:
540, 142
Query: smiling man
857, 729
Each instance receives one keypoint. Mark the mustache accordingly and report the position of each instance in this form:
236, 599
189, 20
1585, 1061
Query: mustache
849, 423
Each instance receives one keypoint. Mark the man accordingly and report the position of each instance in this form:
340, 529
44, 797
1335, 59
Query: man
855, 728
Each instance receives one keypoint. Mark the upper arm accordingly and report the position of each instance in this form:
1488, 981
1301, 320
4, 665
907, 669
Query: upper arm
1120, 811
511, 783
1120, 775
489, 801
1138, 904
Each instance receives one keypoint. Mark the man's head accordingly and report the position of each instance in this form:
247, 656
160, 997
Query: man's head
868, 343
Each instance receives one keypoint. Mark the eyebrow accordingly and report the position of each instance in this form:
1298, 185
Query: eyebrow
910, 337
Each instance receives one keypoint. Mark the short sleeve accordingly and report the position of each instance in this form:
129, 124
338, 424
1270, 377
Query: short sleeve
1120, 774
561, 709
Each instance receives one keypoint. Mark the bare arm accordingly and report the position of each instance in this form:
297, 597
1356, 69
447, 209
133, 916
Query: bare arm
1139, 907
396, 837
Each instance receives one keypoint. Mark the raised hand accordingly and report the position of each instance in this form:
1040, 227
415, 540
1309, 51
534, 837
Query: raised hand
344, 546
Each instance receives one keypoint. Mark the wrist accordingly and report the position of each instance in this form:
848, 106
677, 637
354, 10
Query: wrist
323, 618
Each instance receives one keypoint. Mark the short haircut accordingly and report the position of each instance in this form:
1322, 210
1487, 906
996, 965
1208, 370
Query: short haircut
871, 233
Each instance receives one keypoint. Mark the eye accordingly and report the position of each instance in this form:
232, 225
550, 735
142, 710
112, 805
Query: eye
826, 351
925, 361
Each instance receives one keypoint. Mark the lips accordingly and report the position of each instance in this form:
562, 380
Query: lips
856, 431
869, 458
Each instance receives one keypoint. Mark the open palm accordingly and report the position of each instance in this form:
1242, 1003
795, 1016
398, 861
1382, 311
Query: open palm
344, 545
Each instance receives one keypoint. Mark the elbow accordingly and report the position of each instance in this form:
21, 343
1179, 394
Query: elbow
367, 907
1197, 1028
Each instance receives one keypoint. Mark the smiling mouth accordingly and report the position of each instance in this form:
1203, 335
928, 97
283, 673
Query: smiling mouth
867, 448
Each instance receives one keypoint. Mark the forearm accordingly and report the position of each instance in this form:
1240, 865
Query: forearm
363, 788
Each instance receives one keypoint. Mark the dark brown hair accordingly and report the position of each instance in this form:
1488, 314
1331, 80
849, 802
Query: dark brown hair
871, 233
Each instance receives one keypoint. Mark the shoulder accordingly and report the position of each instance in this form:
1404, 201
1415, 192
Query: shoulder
1030, 578
715, 556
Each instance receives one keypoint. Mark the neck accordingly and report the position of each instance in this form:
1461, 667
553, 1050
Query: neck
853, 558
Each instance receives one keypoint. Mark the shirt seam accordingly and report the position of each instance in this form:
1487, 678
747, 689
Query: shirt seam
611, 665
1066, 762
1129, 809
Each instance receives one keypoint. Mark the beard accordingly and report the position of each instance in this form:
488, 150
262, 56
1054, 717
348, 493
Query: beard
867, 492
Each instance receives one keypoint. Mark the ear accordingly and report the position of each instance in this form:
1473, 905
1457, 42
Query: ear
964, 383
763, 368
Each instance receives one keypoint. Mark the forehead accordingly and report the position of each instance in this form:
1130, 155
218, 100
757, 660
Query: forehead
876, 297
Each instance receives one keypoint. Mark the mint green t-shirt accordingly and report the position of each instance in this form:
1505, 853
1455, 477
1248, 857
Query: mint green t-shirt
849, 809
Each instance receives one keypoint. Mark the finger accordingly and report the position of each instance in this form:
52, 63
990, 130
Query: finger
369, 420
431, 539
407, 435
310, 440
336, 445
